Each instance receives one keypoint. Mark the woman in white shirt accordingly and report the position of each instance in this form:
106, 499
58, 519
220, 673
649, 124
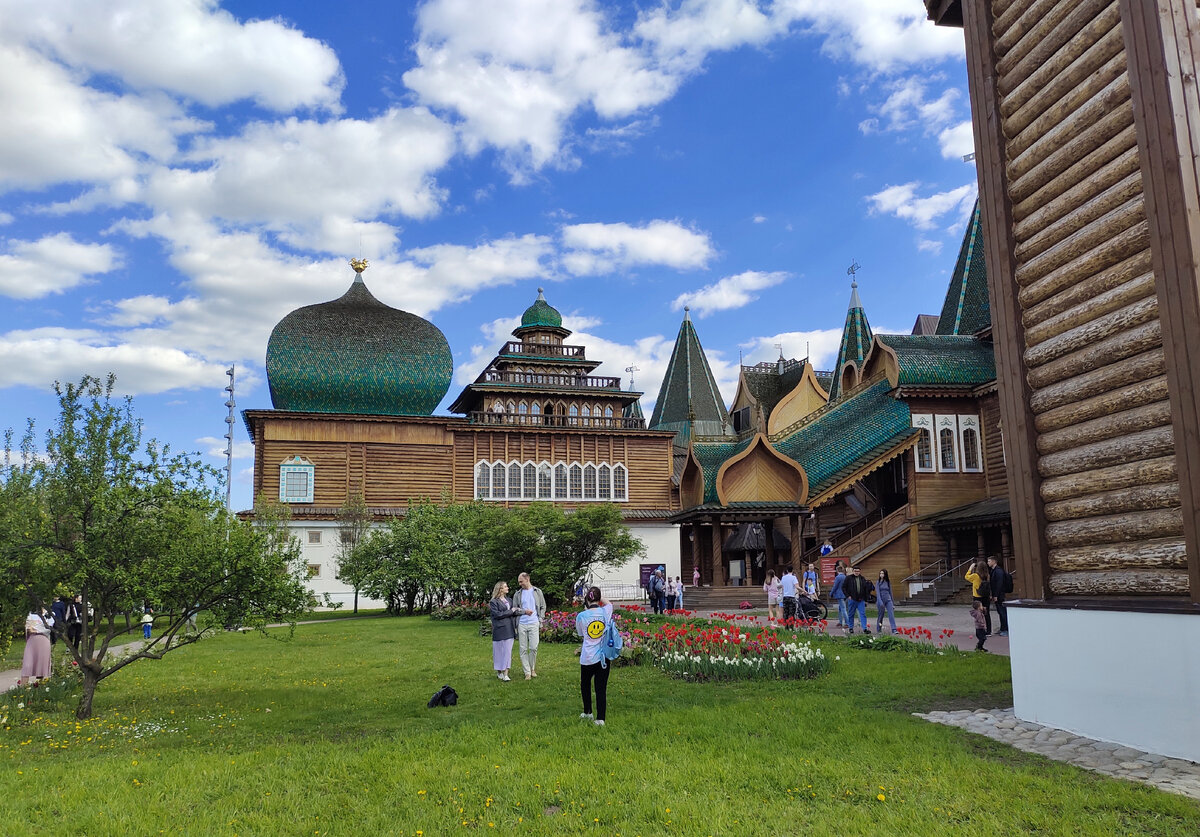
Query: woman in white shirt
771, 588
593, 668
35, 665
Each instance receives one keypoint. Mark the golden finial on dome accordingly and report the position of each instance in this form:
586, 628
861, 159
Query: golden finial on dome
359, 265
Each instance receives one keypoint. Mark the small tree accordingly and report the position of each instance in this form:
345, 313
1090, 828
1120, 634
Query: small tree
354, 524
131, 524
23, 524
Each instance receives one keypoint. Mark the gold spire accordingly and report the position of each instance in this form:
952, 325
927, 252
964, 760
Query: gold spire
359, 265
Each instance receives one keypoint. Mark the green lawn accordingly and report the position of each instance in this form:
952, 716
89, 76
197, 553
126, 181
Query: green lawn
329, 734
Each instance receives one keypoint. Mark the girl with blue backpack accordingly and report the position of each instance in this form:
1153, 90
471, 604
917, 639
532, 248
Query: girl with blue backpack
595, 625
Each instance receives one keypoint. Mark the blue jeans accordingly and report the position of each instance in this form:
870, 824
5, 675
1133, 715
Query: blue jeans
854, 606
880, 607
843, 614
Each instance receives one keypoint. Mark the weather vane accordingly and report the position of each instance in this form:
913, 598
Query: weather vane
631, 369
854, 268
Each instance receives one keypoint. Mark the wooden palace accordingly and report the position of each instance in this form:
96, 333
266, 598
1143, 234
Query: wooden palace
1087, 135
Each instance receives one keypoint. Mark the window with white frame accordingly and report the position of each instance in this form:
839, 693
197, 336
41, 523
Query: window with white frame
498, 492
529, 486
314, 535
296, 478
514, 481
483, 480
947, 443
605, 483
560, 481
619, 481
589, 481
923, 452
972, 444
576, 481
545, 481
314, 570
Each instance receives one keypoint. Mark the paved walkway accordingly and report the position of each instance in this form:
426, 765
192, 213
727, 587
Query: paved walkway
1172, 775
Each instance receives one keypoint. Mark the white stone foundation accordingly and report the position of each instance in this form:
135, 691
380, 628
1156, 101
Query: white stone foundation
1128, 678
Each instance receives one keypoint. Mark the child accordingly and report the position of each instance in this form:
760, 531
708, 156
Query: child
980, 625
147, 622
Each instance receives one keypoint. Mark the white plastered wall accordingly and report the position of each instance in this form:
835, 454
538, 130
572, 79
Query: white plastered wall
662, 548
1128, 678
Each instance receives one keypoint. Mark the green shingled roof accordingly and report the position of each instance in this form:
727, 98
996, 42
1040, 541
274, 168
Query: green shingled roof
967, 308
941, 360
856, 340
689, 400
541, 314
851, 434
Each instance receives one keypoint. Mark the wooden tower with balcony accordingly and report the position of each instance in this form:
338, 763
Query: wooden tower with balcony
537, 380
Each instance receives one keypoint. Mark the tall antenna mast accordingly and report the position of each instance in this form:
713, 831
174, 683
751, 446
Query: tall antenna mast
231, 404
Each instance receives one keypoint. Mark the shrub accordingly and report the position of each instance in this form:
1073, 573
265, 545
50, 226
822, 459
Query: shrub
464, 610
21, 704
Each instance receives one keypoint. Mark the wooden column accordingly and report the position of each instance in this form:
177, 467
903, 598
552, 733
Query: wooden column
1020, 435
953, 539
1161, 46
718, 559
797, 544
769, 542
1006, 546
980, 545
694, 537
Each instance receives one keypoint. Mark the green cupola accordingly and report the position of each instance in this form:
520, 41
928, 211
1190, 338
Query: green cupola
357, 355
541, 316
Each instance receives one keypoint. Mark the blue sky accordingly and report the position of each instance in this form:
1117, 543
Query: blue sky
177, 175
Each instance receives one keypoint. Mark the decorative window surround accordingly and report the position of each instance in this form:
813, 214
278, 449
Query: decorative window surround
296, 478
923, 453
562, 481
971, 443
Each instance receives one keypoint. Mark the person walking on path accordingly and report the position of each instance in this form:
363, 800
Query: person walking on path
147, 623
981, 587
858, 590
35, 663
679, 592
504, 629
812, 585
59, 611
532, 605
672, 593
591, 624
788, 585
999, 583
656, 590
74, 620
838, 593
981, 634
883, 601
771, 588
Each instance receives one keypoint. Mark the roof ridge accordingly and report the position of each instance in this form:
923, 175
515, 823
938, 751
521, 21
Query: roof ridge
829, 407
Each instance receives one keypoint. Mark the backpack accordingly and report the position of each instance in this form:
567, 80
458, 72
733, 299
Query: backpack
611, 643
444, 696
985, 587
1008, 582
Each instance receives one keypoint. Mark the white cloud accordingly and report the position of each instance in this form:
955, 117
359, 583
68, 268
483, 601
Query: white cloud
51, 265
191, 48
760, 219
922, 213
38, 356
820, 346
516, 70
214, 446
909, 106
683, 36
957, 140
602, 248
730, 292
55, 130
926, 245
882, 35
310, 180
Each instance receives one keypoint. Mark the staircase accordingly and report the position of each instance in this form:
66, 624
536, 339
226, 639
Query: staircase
944, 585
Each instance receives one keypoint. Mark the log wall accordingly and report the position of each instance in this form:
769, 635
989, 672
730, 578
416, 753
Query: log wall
1063, 173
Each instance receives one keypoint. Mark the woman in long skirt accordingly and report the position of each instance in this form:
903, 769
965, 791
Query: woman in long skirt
35, 665
504, 629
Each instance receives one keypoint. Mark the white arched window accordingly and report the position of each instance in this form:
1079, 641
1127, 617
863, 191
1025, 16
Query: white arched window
923, 453
483, 481
498, 471
536, 409
619, 482
560, 481
605, 483
514, 481
971, 459
574, 414
589, 481
522, 408
608, 412
545, 481
576, 481
946, 449
529, 486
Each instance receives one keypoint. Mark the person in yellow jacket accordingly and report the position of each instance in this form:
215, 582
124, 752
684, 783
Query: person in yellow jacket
981, 589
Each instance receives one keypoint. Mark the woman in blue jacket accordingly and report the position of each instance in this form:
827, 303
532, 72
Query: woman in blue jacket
838, 595
883, 601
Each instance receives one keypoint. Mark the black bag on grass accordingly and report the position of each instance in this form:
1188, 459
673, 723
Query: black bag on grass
444, 696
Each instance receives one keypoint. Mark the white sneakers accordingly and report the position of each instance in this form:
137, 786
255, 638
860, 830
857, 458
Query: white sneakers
585, 716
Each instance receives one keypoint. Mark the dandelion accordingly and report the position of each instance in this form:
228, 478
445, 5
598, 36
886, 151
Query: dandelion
880, 797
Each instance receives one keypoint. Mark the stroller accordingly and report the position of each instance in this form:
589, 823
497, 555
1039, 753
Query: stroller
809, 608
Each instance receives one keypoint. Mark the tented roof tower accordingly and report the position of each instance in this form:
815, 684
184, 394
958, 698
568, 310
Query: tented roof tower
689, 401
856, 340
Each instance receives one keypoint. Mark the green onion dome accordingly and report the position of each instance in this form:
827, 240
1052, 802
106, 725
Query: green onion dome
357, 355
541, 314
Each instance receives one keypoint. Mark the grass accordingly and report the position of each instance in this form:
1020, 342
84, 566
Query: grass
329, 734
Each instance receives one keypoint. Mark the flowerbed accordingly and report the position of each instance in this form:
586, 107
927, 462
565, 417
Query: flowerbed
916, 640
720, 653
465, 610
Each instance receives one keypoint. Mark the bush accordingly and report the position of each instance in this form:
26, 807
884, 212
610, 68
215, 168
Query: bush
21, 704
464, 610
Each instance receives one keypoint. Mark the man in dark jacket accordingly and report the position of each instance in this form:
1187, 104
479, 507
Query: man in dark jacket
857, 590
656, 588
998, 580
59, 610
